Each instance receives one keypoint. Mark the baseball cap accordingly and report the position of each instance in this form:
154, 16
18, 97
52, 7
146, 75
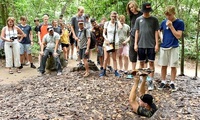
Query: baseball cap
146, 98
49, 28
80, 21
146, 7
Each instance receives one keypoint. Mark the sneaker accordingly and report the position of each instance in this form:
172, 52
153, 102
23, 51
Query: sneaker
117, 74
121, 71
40, 74
80, 64
162, 85
59, 73
150, 85
172, 86
103, 73
21, 66
71, 58
33, 66
110, 68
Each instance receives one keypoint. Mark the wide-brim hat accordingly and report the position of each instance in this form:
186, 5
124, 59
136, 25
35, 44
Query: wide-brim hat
146, 7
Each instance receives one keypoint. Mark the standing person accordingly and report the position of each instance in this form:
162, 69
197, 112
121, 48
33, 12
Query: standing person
37, 26
42, 31
88, 24
9, 34
123, 46
26, 42
72, 41
110, 29
98, 31
51, 41
146, 39
145, 106
172, 29
56, 27
84, 45
75, 28
64, 39
133, 12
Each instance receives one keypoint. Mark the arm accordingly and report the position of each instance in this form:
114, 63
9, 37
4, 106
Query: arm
88, 46
156, 40
31, 37
39, 39
104, 35
20, 31
136, 40
56, 46
132, 96
178, 33
3, 35
142, 86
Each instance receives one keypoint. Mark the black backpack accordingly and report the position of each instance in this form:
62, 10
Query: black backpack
92, 39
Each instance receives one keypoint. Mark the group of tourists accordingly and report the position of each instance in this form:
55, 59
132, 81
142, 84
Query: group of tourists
139, 41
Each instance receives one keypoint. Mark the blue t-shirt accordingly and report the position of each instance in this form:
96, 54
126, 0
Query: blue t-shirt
169, 40
26, 29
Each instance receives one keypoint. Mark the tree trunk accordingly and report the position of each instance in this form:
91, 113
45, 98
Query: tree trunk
197, 46
182, 57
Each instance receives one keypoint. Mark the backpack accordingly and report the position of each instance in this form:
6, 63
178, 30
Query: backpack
92, 39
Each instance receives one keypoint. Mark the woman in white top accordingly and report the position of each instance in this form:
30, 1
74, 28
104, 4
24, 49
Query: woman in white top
108, 34
10, 34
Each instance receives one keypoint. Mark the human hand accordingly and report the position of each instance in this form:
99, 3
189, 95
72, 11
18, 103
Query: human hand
169, 23
55, 54
42, 53
124, 43
87, 52
136, 48
156, 48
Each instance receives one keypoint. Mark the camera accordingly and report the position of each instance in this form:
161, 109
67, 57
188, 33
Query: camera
13, 38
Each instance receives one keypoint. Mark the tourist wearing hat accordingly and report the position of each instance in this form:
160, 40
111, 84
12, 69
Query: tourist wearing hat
145, 106
146, 39
172, 29
50, 41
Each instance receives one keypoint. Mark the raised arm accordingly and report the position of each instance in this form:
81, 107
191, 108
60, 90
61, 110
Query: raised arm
132, 97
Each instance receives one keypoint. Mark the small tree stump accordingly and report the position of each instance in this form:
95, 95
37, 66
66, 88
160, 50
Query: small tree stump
50, 64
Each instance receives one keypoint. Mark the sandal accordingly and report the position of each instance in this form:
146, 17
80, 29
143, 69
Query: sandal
10, 71
18, 70
86, 74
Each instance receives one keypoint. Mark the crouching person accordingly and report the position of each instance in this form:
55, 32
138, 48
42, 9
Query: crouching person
50, 46
145, 106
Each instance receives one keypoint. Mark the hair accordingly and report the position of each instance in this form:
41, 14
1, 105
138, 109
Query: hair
122, 17
170, 10
134, 4
87, 16
23, 18
36, 19
92, 20
10, 18
80, 8
45, 15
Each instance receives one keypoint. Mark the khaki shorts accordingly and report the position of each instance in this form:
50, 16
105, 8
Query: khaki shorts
169, 57
116, 45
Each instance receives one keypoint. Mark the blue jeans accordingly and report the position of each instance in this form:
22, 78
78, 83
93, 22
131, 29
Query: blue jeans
44, 59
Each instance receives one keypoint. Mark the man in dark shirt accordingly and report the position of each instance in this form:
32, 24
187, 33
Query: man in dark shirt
98, 31
145, 106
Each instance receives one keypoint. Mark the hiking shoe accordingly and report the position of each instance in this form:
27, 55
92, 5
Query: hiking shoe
59, 73
172, 86
150, 85
103, 73
117, 74
33, 66
110, 68
162, 85
80, 64
101, 68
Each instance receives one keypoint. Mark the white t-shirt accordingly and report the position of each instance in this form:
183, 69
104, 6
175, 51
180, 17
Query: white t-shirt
110, 32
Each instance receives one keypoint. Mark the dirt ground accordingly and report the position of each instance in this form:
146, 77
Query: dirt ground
27, 72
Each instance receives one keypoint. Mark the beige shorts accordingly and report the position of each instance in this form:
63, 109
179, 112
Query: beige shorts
169, 57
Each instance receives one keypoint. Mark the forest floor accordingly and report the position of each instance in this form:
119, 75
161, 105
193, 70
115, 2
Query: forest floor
72, 97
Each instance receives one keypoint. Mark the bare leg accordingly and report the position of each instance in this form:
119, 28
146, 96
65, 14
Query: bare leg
163, 72
114, 60
151, 65
133, 65
126, 62
86, 67
106, 59
120, 62
173, 73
